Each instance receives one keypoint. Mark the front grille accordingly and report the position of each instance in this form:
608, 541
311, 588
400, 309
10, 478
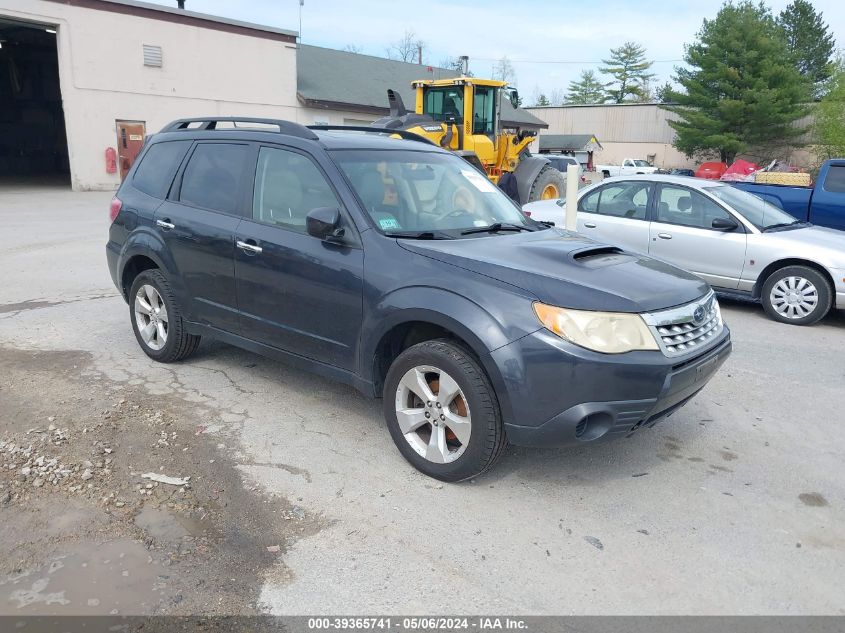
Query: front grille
679, 332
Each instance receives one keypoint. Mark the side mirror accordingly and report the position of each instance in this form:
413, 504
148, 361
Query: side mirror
725, 224
514, 97
324, 223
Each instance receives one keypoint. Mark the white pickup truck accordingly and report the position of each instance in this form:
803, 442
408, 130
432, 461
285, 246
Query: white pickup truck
628, 167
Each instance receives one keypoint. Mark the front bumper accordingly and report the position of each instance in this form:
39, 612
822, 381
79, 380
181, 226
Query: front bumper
563, 395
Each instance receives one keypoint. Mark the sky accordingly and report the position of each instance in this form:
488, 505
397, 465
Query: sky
549, 42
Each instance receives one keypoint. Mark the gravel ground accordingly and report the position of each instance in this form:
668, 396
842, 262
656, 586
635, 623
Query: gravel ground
298, 502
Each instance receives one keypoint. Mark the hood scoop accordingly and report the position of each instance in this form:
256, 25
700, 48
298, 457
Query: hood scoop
601, 257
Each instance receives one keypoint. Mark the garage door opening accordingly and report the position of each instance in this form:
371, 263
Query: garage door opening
33, 143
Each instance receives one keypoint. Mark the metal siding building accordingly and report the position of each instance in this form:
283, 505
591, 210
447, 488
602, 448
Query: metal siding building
626, 130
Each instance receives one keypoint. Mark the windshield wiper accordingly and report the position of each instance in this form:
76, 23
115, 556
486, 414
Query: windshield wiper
420, 235
496, 227
782, 225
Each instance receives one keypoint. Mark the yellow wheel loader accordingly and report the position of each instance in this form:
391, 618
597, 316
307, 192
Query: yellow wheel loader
462, 114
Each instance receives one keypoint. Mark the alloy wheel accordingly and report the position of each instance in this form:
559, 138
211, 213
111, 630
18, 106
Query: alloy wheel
151, 317
433, 414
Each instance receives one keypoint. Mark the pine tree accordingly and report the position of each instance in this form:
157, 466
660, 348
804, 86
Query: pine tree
664, 93
542, 100
629, 68
587, 89
809, 41
740, 89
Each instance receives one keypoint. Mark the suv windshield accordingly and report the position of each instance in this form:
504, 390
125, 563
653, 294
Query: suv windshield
760, 213
425, 192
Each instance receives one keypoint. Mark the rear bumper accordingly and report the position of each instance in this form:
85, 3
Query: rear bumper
648, 387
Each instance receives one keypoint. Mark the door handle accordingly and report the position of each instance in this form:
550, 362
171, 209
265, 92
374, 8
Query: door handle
251, 249
664, 236
590, 225
166, 224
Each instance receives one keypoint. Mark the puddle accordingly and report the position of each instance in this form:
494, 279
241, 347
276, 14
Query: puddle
115, 577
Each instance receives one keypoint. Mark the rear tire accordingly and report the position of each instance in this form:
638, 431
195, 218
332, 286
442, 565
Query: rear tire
450, 436
156, 318
548, 185
797, 295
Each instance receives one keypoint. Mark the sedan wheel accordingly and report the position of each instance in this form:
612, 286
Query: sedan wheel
797, 295
794, 297
433, 414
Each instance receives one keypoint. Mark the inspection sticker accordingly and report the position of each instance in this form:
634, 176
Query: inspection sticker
388, 223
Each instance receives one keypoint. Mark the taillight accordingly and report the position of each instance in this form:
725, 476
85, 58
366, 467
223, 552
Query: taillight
114, 209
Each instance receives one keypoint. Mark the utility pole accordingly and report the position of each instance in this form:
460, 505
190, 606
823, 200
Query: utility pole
301, 4
419, 54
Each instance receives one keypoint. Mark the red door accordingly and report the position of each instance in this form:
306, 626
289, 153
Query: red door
130, 139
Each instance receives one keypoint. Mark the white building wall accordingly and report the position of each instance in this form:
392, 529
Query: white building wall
103, 79
311, 116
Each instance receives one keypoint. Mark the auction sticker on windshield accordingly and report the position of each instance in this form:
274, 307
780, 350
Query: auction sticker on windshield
479, 182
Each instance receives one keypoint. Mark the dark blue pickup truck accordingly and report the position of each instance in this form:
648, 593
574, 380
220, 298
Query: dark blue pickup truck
823, 204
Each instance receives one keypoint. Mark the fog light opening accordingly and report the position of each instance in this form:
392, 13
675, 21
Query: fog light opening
593, 426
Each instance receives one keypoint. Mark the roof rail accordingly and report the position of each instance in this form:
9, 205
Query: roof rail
210, 123
408, 136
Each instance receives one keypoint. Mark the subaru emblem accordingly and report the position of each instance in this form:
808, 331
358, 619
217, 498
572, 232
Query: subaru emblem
698, 315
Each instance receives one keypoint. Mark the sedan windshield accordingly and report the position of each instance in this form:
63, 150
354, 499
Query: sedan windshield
429, 195
760, 213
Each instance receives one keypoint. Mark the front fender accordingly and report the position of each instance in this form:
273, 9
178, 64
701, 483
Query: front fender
466, 319
526, 173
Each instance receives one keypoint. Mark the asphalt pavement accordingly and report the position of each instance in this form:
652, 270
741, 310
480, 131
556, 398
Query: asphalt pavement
734, 505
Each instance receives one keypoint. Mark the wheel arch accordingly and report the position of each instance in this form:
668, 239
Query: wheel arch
415, 325
143, 251
790, 261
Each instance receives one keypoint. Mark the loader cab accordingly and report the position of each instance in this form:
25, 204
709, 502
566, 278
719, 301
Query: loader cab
470, 104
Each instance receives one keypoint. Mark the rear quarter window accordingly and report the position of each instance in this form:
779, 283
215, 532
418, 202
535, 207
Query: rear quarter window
835, 179
155, 173
213, 176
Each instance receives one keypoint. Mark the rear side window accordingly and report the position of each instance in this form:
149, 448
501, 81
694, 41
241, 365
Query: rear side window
835, 179
213, 176
621, 200
155, 172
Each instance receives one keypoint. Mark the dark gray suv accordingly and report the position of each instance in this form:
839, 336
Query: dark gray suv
397, 267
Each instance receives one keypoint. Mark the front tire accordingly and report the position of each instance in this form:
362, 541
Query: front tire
797, 295
157, 319
442, 411
548, 185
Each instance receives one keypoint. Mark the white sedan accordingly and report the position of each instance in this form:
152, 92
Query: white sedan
732, 239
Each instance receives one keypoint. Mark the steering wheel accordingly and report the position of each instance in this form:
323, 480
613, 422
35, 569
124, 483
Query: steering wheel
454, 213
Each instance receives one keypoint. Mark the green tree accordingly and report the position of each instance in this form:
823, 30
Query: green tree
740, 88
829, 126
542, 100
629, 68
664, 93
586, 89
809, 41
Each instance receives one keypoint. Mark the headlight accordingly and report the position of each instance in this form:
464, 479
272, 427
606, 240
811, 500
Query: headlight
606, 332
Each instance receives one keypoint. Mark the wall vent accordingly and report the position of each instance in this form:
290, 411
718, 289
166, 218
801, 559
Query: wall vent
152, 56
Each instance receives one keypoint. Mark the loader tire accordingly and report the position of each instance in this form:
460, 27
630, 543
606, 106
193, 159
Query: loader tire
548, 185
